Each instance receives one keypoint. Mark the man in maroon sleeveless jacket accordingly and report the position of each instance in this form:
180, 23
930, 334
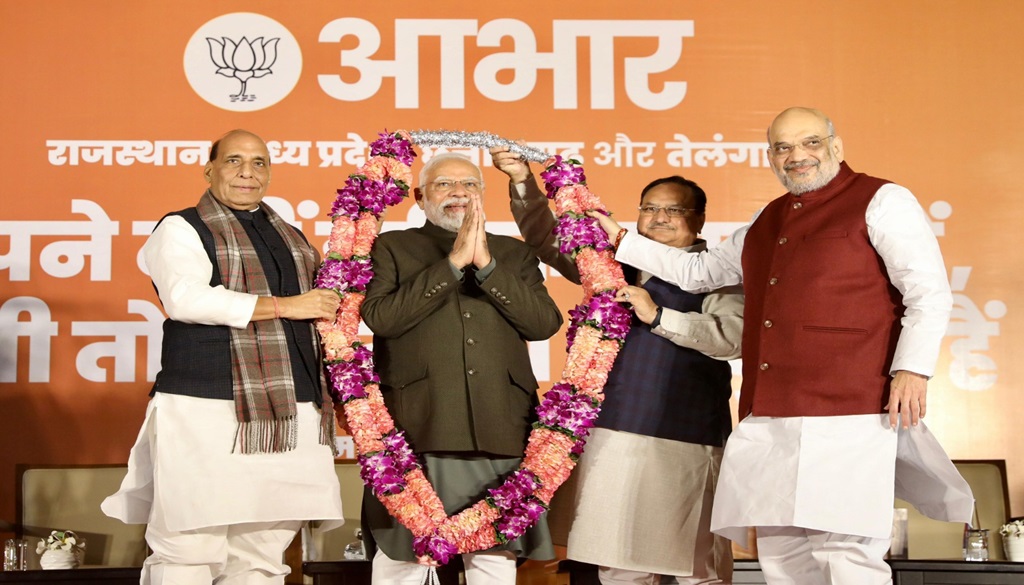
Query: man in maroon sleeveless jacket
846, 305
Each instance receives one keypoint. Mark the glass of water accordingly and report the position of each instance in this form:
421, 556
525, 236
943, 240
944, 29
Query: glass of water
15, 554
977, 545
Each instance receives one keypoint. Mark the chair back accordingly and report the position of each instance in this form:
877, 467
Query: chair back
50, 497
932, 539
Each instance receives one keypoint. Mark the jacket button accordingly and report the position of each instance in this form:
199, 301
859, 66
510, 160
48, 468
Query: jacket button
764, 366
471, 371
467, 314
493, 290
773, 281
768, 323
507, 303
797, 205
428, 294
444, 284
470, 341
783, 240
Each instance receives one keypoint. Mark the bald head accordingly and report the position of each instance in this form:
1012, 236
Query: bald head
215, 148
800, 116
803, 149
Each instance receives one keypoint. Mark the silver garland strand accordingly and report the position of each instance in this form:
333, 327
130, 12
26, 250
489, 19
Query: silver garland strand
457, 139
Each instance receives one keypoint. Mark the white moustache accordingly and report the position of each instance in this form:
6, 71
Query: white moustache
449, 202
800, 165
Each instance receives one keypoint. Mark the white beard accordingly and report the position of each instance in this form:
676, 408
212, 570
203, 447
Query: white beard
827, 170
436, 215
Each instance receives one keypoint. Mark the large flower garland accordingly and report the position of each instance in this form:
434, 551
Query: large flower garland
597, 329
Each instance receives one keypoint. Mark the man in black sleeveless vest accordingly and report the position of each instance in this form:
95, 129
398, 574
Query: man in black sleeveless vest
237, 447
645, 484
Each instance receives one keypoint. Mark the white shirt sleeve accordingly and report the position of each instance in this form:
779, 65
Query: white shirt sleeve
181, 271
705, 271
901, 234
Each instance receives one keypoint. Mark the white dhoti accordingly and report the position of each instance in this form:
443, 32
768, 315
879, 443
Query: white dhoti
214, 514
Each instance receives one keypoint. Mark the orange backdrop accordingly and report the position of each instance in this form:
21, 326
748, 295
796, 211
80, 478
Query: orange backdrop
108, 109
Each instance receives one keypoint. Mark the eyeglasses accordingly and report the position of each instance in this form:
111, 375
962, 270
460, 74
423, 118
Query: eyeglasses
446, 185
812, 144
672, 212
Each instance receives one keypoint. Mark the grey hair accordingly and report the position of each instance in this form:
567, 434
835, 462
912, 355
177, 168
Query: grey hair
440, 158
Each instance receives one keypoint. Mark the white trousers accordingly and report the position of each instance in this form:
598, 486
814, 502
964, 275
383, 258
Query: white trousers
483, 568
239, 554
613, 576
799, 556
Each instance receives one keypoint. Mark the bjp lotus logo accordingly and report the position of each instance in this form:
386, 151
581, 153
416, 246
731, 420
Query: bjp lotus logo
243, 60
221, 62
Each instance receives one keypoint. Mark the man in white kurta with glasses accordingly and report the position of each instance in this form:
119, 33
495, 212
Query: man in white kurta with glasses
847, 302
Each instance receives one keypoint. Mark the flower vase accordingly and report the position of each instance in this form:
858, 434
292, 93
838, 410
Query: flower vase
58, 559
1014, 548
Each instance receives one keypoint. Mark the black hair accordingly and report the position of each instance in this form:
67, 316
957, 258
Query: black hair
701, 199
213, 149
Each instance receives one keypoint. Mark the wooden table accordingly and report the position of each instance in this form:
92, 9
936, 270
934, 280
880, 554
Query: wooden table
921, 572
105, 575
904, 572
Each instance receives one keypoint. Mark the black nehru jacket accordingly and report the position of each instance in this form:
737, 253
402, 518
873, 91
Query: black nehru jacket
659, 389
196, 359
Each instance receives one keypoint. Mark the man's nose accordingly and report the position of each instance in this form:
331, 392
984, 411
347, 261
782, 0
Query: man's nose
799, 153
246, 169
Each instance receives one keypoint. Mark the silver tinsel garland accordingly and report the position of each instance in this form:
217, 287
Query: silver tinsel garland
457, 139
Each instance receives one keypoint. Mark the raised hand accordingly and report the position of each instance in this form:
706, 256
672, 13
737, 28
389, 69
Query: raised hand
510, 163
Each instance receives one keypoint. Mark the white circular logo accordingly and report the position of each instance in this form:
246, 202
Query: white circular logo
243, 62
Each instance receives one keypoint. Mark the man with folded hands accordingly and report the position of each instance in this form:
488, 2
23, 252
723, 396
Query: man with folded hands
451, 308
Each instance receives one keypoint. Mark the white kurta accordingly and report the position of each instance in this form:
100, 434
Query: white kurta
835, 474
182, 462
642, 503
182, 459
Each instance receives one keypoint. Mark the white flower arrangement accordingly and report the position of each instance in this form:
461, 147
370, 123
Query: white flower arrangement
1012, 529
65, 540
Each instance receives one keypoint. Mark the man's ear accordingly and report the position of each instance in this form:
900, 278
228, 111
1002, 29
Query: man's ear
418, 194
208, 172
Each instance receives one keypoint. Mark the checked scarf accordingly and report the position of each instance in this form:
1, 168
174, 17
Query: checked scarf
261, 375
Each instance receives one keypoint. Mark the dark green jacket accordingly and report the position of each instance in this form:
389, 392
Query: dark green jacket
452, 356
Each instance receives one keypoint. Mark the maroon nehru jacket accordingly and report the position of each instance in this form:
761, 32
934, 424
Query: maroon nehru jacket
821, 318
